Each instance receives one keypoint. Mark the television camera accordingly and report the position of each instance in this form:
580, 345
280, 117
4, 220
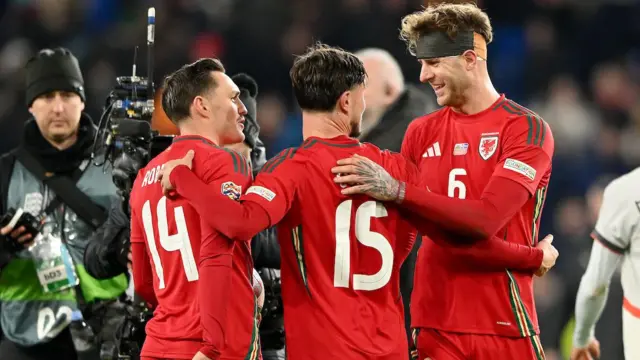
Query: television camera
124, 137
126, 142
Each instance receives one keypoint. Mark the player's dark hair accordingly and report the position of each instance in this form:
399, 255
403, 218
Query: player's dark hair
183, 85
323, 74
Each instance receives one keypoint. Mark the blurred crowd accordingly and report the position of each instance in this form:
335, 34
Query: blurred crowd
576, 63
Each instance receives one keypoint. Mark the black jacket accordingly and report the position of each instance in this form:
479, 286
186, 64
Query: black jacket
6, 167
265, 247
106, 253
59, 162
388, 134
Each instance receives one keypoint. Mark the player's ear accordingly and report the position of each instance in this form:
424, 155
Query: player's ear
344, 102
200, 106
470, 59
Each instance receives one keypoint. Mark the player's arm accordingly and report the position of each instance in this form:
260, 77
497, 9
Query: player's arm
241, 220
524, 160
491, 255
212, 196
614, 228
215, 268
141, 264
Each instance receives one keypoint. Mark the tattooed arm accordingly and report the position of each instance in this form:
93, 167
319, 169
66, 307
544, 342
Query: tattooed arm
372, 178
477, 219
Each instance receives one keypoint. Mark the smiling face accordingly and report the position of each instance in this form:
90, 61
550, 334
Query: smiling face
226, 109
448, 77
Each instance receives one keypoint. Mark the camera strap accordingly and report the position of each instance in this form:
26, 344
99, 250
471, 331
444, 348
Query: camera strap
66, 190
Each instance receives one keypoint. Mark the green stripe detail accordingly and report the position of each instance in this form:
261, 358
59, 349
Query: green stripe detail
234, 158
540, 127
530, 133
498, 105
315, 141
508, 107
514, 308
528, 323
537, 348
272, 164
298, 247
245, 167
254, 347
544, 132
19, 282
537, 210
415, 355
309, 144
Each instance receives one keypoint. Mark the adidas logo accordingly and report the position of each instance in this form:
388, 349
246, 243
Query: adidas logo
433, 150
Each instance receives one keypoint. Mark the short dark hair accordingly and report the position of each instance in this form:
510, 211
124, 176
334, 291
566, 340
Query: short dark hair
183, 85
324, 73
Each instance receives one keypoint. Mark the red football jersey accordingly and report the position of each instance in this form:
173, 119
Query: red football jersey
457, 155
178, 244
340, 255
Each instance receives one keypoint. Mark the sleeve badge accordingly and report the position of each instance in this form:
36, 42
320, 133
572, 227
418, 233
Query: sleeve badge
231, 190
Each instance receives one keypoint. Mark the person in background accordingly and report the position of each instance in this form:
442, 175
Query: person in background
35, 315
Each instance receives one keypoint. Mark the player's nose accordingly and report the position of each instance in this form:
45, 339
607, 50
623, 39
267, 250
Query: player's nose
242, 109
426, 75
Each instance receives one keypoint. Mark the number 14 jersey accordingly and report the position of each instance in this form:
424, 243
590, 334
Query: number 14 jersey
340, 255
201, 306
457, 155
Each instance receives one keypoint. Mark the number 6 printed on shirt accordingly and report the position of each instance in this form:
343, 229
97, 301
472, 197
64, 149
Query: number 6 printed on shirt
457, 184
176, 242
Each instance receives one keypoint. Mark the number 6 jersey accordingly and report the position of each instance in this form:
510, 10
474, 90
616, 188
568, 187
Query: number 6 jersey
457, 156
202, 280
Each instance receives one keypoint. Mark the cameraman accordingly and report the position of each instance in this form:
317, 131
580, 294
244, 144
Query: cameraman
265, 248
36, 307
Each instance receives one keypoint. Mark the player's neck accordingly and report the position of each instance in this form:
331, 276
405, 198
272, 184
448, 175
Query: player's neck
192, 129
478, 98
322, 125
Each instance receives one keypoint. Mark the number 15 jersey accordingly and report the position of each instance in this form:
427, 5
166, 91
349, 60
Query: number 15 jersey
340, 255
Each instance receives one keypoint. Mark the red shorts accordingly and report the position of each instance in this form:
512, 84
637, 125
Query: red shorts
434, 344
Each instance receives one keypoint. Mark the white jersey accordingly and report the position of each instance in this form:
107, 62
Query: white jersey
617, 235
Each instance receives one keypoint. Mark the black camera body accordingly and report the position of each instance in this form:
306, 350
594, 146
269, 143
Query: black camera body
272, 324
124, 133
17, 218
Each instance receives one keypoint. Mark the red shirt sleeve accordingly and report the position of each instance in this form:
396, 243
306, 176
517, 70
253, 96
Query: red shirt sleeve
525, 158
276, 185
491, 254
215, 197
527, 152
141, 264
215, 269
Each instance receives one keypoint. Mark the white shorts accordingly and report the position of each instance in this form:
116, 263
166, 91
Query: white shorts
630, 335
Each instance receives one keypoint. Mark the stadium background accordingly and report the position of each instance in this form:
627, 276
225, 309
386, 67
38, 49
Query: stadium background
575, 62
